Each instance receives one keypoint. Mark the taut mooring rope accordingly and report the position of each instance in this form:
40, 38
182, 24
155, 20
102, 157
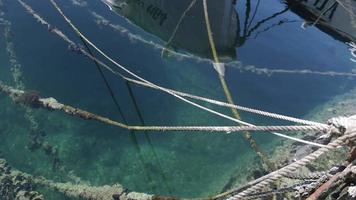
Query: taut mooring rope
32, 100
148, 138
220, 68
224, 104
180, 21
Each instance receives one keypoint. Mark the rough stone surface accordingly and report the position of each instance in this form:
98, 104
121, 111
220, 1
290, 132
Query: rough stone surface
15, 185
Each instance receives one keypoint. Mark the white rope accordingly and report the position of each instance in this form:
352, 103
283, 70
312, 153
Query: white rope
224, 104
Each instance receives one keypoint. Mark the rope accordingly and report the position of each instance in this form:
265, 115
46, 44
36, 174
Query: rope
100, 20
227, 129
350, 11
133, 136
282, 190
154, 153
79, 50
264, 181
315, 175
217, 65
180, 21
323, 12
20, 96
125, 69
224, 104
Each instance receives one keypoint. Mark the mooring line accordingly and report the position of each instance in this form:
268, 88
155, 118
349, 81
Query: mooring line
180, 21
128, 71
133, 136
224, 104
346, 8
33, 100
220, 68
260, 183
148, 138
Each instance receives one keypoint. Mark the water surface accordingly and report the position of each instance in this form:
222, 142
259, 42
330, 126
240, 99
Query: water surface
183, 163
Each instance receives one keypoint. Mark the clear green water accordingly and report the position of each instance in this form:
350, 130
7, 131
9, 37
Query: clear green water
194, 164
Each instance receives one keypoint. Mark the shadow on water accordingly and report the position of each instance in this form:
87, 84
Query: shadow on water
252, 32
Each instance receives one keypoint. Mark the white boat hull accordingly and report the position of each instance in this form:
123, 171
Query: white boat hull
160, 17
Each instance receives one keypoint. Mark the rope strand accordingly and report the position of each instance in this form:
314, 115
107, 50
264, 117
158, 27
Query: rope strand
19, 96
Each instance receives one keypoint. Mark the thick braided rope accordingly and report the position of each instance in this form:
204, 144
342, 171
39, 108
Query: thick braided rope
276, 191
228, 129
291, 168
51, 103
315, 175
224, 104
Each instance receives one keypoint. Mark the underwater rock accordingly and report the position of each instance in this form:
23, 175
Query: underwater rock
106, 192
15, 185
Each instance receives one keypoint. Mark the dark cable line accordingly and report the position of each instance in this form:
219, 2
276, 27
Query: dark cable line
155, 155
132, 133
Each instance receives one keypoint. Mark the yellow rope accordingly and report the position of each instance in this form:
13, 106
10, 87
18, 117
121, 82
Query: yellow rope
267, 164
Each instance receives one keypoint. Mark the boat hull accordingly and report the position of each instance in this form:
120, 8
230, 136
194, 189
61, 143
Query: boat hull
160, 17
334, 18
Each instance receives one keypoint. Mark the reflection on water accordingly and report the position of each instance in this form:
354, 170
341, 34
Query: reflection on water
262, 36
181, 23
